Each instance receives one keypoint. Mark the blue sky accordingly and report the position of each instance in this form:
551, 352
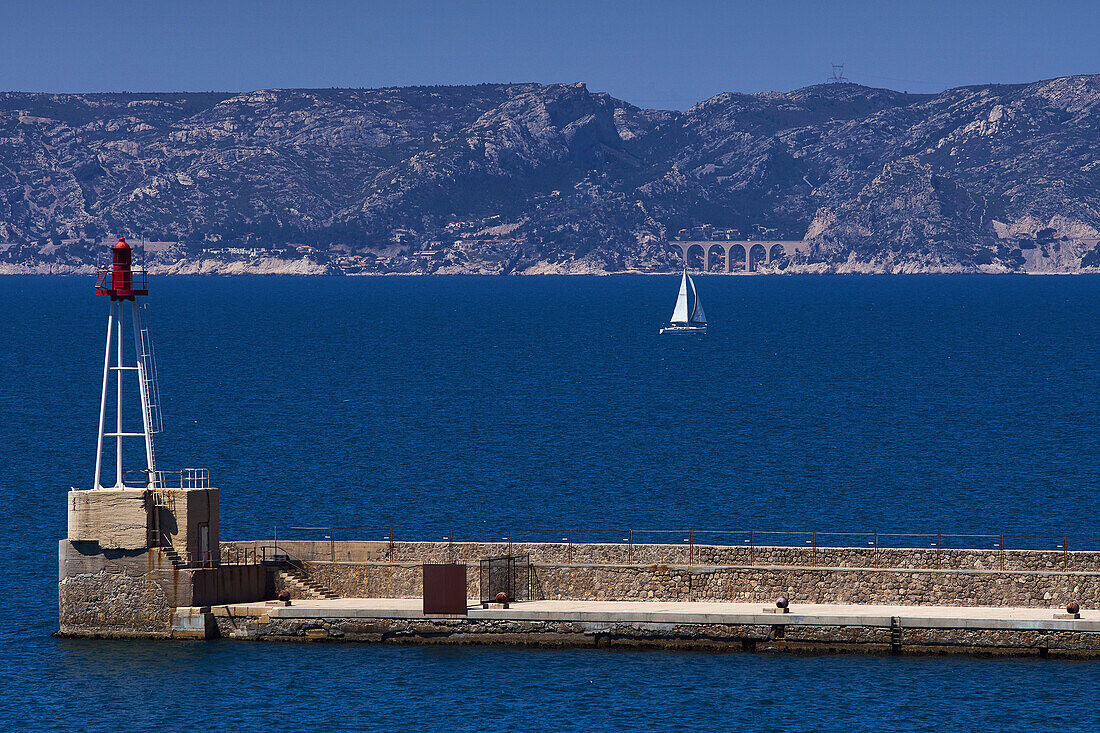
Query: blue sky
663, 54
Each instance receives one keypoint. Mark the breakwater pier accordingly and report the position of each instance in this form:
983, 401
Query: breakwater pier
601, 594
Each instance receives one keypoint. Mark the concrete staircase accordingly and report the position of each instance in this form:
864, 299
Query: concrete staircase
177, 560
301, 585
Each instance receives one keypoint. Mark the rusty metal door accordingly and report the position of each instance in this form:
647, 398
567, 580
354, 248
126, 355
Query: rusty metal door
445, 588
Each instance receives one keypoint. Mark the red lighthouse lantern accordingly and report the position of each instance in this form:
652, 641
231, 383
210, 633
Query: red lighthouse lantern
122, 277
122, 285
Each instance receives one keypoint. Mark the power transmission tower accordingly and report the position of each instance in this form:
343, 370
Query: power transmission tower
838, 75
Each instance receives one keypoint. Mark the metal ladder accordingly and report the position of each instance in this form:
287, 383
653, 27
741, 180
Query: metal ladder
152, 408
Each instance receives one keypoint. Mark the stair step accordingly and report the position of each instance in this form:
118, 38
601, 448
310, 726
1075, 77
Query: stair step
305, 585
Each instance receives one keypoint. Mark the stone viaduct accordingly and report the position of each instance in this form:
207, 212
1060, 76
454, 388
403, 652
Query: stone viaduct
736, 256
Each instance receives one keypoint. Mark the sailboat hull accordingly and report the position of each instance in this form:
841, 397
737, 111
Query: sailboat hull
685, 328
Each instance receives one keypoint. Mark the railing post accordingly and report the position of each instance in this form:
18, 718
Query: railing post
876, 550
570, 552
938, 546
1002, 543
391, 543
451, 545
630, 550
509, 542
752, 547
1065, 553
813, 549
332, 544
691, 547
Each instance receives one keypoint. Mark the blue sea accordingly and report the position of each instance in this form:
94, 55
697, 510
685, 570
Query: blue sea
925, 404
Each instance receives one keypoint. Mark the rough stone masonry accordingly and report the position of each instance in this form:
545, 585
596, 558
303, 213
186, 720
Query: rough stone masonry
132, 569
144, 592
1016, 578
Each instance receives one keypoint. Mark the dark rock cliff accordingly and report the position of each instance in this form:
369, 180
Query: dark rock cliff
556, 178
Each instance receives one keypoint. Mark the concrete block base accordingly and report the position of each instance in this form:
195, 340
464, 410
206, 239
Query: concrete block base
115, 519
193, 622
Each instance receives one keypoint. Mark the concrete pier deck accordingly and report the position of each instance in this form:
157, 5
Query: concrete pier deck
676, 612
696, 625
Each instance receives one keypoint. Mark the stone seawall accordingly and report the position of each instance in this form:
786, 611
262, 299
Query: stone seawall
776, 637
663, 572
138, 593
681, 554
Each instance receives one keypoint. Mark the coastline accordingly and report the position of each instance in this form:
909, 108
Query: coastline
301, 268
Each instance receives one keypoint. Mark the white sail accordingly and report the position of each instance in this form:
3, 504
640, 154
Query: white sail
680, 314
697, 314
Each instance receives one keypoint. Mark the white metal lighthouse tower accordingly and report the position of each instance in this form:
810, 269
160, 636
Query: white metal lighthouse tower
142, 520
124, 285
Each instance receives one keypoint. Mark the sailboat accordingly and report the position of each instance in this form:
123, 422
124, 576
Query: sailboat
684, 320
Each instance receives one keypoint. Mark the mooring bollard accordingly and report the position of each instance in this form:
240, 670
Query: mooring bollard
781, 606
1073, 610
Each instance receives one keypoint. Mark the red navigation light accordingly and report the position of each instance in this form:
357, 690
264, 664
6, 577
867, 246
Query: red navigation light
125, 283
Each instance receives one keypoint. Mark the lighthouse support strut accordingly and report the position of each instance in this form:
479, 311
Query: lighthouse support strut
103, 399
118, 405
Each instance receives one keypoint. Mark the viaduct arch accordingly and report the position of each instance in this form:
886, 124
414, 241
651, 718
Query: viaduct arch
734, 256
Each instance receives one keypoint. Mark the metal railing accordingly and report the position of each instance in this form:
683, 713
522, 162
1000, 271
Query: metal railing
809, 548
104, 278
232, 555
184, 478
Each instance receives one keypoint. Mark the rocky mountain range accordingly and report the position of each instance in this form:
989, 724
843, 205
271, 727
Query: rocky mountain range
532, 178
